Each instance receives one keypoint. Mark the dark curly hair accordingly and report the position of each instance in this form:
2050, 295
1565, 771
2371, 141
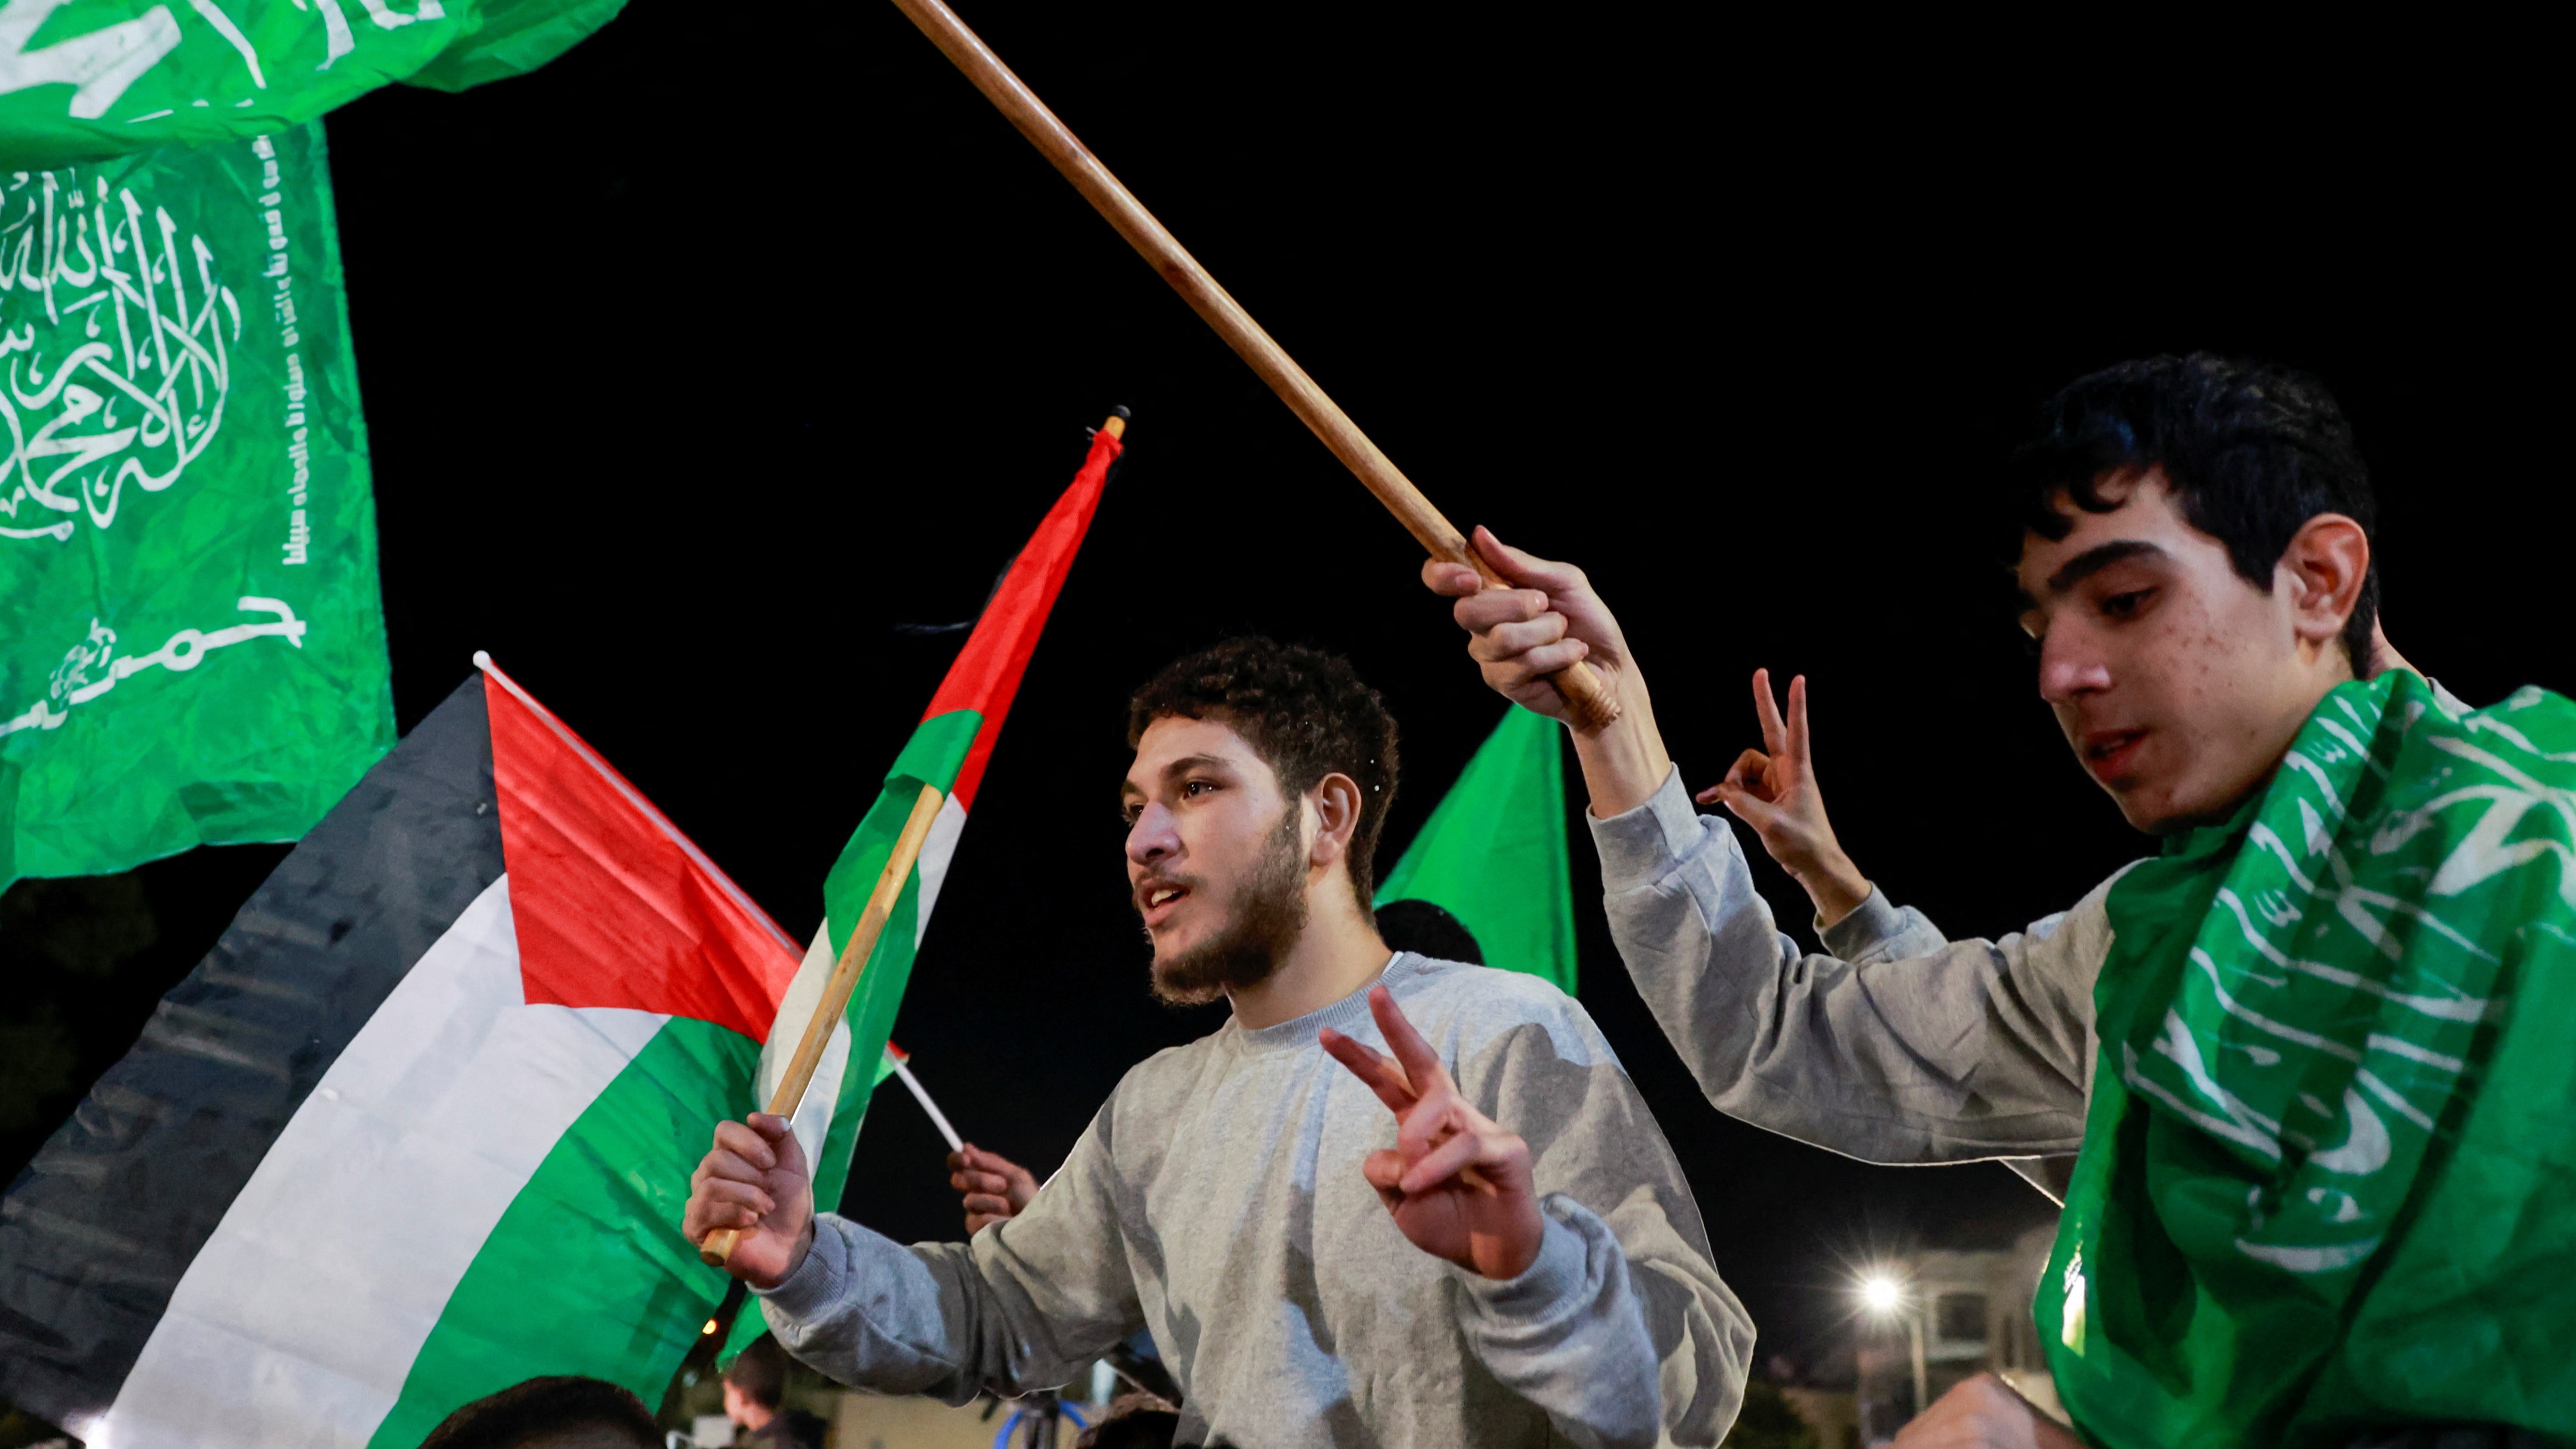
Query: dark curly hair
2253, 451
1303, 710
760, 1372
537, 1411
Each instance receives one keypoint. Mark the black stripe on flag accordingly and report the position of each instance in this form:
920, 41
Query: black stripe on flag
96, 1232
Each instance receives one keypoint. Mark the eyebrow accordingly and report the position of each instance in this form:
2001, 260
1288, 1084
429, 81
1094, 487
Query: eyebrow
2092, 561
1129, 789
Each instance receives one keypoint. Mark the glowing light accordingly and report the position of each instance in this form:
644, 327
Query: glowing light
1880, 1293
710, 1328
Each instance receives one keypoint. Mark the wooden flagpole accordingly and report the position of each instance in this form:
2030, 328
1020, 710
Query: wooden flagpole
844, 979
854, 958
1585, 695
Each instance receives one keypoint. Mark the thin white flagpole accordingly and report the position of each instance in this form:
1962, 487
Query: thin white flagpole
937, 1117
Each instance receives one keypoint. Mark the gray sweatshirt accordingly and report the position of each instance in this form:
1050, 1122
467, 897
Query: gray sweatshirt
1216, 1200
1900, 1046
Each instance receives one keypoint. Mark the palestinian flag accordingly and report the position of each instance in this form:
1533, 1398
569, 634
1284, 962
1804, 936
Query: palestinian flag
948, 751
421, 1125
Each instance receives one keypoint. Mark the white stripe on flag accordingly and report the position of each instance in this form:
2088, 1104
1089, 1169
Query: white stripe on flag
937, 848
297, 1323
813, 1117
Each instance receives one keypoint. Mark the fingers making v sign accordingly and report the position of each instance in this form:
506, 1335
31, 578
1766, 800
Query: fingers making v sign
1773, 789
1456, 1182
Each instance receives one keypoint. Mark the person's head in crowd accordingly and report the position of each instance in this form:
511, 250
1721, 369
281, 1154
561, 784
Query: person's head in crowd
1262, 775
755, 1383
556, 1412
2196, 573
1133, 1421
1427, 930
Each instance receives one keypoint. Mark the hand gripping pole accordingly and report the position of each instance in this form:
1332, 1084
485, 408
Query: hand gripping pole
718, 1246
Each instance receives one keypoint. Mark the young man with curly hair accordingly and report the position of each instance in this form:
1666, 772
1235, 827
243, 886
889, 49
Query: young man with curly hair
1393, 1201
2309, 1062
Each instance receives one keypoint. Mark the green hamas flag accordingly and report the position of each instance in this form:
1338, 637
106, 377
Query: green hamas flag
1493, 852
83, 79
191, 648
2327, 1182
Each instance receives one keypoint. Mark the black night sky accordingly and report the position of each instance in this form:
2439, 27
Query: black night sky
697, 365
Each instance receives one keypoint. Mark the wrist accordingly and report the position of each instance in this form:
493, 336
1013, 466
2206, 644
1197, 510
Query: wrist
815, 1274
1624, 762
1519, 1250
1557, 1269
1837, 887
796, 1255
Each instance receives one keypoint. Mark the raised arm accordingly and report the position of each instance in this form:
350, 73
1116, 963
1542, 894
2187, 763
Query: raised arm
950, 1320
1899, 1046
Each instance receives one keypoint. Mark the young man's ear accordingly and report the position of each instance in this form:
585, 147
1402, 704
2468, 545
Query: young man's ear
1337, 814
2323, 569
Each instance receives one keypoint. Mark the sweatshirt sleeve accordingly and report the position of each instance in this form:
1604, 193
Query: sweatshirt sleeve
1621, 1330
1902, 1047
1018, 1308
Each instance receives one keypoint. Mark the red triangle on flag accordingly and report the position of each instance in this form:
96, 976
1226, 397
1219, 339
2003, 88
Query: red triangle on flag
613, 905
987, 672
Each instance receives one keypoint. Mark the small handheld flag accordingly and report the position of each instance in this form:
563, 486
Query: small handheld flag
831, 1017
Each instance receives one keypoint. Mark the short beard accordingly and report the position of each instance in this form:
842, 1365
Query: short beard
1269, 917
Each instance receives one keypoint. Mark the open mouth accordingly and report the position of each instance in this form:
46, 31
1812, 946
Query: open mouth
1155, 900
2109, 754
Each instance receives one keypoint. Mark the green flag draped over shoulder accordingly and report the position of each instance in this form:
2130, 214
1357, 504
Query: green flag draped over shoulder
1493, 852
191, 645
2327, 1181
84, 79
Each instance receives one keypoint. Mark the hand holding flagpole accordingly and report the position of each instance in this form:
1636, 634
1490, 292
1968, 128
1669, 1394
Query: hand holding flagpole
1587, 698
718, 1246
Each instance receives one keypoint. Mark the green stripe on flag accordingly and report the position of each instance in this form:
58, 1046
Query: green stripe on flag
871, 1017
588, 1259
931, 757
1493, 853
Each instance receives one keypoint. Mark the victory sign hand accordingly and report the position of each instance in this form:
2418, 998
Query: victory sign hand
754, 1180
1458, 1184
1773, 789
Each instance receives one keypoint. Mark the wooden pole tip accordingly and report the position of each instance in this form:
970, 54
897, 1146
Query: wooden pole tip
1116, 427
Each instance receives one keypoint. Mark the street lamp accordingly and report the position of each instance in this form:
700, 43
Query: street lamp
1884, 1297
1881, 1294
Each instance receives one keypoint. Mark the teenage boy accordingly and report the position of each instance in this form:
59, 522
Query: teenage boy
2312, 1054
1481, 1238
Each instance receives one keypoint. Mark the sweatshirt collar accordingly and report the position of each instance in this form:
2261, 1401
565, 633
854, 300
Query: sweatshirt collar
1349, 1016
